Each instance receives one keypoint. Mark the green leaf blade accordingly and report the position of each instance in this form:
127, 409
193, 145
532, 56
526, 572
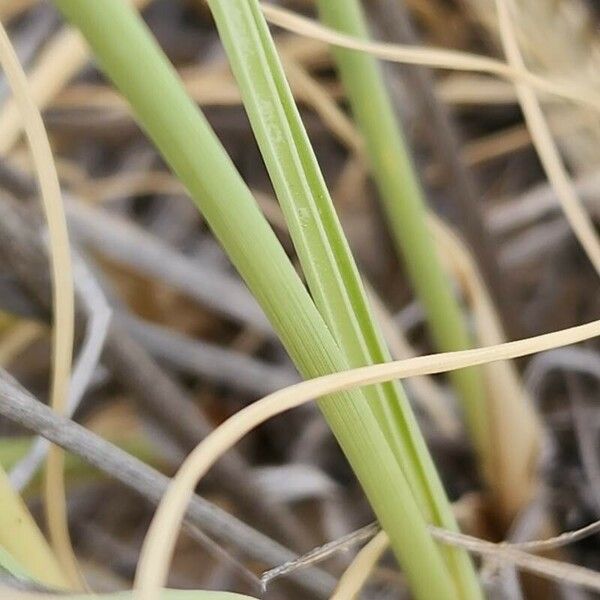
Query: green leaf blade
319, 240
132, 59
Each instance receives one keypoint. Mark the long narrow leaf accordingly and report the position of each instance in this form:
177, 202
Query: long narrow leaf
403, 201
321, 245
132, 59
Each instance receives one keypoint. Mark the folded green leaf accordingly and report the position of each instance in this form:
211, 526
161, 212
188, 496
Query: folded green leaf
403, 202
320, 242
132, 59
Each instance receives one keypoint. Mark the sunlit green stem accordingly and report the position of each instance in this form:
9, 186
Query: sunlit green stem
403, 201
322, 247
132, 59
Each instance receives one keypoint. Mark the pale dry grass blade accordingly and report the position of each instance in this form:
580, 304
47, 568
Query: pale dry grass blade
21, 538
159, 544
428, 395
430, 57
517, 137
127, 184
512, 472
544, 144
357, 574
468, 89
215, 87
63, 295
63, 57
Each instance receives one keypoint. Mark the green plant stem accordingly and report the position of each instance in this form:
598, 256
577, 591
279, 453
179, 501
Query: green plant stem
22, 539
404, 204
132, 59
324, 253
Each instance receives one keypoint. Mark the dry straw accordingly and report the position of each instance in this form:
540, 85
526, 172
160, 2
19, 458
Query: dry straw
357, 574
160, 541
544, 144
431, 57
63, 295
158, 547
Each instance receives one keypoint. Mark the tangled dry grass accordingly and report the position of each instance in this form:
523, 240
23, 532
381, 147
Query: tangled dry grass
187, 346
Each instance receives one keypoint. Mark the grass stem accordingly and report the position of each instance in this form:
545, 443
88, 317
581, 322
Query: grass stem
132, 59
403, 202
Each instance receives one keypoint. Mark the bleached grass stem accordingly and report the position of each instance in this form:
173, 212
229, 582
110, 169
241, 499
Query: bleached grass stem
440, 58
63, 296
544, 144
159, 544
330, 270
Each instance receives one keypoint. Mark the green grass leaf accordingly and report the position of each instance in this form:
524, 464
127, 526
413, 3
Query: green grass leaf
131, 58
403, 201
324, 253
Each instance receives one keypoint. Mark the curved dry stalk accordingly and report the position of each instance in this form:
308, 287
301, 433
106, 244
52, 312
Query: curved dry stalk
64, 56
63, 295
512, 416
159, 544
429, 57
545, 146
357, 574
